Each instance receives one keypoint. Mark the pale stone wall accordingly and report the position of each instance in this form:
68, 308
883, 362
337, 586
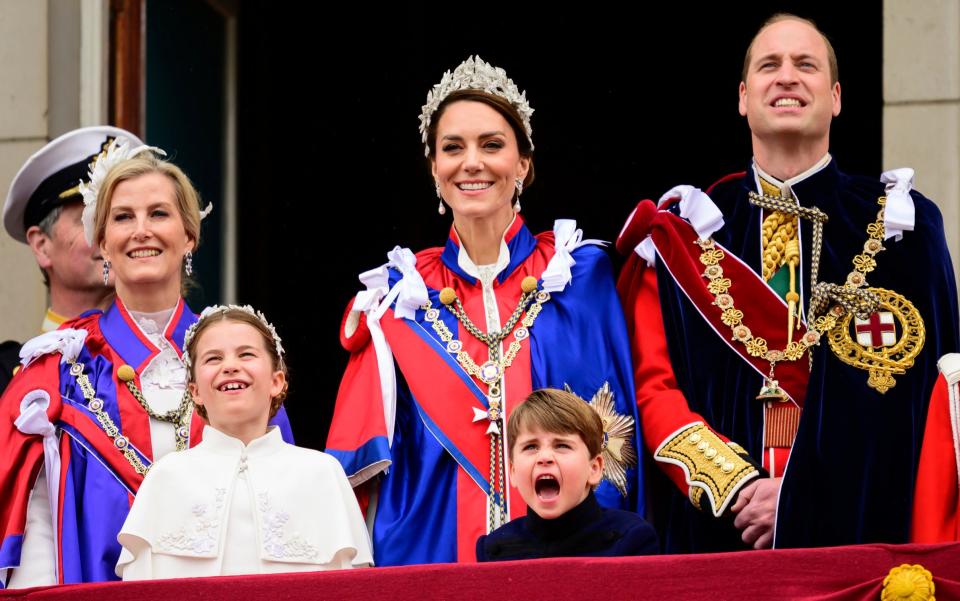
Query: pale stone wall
921, 93
52, 68
23, 129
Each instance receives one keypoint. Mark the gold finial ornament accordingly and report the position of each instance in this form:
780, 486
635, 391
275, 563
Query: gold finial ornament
490, 373
908, 583
447, 296
126, 373
529, 284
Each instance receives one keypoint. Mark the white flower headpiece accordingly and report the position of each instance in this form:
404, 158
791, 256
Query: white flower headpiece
221, 309
120, 149
476, 74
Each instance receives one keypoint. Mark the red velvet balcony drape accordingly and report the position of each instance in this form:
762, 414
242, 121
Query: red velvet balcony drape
835, 574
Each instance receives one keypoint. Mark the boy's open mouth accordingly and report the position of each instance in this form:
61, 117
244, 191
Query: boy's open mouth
547, 487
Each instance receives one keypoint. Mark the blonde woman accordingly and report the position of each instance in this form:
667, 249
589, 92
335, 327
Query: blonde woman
102, 398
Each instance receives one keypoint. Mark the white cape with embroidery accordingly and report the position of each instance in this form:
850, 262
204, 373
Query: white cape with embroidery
225, 508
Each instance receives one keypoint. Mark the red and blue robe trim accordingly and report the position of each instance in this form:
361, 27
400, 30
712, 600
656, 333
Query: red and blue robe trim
97, 483
850, 474
431, 505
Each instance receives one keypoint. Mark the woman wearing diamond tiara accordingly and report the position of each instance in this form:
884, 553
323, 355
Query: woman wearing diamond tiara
100, 399
242, 501
446, 342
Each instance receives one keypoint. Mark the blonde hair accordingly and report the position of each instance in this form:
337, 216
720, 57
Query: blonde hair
557, 411
187, 198
239, 316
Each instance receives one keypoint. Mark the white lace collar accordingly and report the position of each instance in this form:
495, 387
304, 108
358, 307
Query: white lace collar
486, 273
154, 323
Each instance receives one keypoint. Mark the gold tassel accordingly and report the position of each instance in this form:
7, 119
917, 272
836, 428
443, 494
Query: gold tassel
792, 258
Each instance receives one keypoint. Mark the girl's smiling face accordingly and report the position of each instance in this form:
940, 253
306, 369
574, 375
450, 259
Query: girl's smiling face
234, 378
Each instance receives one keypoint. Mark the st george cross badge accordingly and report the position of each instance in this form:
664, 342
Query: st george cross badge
885, 343
876, 331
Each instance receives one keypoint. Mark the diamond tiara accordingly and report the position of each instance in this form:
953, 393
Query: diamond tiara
221, 309
476, 74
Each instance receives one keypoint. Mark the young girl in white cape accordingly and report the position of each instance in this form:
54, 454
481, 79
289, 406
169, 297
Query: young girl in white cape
242, 501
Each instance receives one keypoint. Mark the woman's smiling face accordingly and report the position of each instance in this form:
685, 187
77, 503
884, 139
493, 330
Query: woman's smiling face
477, 161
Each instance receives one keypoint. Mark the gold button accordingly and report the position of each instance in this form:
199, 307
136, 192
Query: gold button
718, 460
727, 467
529, 284
710, 453
695, 438
16, 369
126, 373
703, 445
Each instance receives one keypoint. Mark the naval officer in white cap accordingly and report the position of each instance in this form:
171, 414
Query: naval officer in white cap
43, 210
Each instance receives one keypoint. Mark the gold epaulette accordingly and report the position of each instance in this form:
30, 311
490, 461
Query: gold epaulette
712, 467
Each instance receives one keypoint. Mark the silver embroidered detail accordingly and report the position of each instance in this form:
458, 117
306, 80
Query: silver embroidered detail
273, 522
203, 534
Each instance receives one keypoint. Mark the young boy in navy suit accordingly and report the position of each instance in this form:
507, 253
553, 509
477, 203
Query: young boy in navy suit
556, 445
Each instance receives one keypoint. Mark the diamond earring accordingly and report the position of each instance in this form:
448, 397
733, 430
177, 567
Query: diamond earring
516, 204
441, 209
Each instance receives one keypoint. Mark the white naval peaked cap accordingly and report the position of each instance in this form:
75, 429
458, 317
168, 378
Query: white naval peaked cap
48, 179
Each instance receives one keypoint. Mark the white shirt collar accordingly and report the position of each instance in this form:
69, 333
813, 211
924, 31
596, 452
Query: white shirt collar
786, 186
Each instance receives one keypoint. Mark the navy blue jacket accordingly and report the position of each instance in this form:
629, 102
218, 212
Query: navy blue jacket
587, 530
851, 472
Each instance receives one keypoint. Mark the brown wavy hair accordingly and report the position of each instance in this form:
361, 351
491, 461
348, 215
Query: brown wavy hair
502, 106
558, 411
238, 316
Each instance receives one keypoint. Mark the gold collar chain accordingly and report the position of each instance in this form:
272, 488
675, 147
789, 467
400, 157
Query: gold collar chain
851, 298
491, 373
95, 405
756, 346
855, 299
179, 417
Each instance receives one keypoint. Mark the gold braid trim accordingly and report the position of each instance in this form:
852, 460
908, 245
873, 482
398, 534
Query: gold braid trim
778, 229
775, 244
712, 467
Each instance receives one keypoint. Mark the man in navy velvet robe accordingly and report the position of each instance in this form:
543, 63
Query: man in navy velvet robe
783, 373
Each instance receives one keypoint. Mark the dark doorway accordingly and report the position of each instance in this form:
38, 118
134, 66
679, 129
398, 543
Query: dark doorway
331, 169
186, 116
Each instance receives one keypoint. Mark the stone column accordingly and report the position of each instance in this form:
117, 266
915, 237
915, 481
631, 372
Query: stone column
23, 130
921, 94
